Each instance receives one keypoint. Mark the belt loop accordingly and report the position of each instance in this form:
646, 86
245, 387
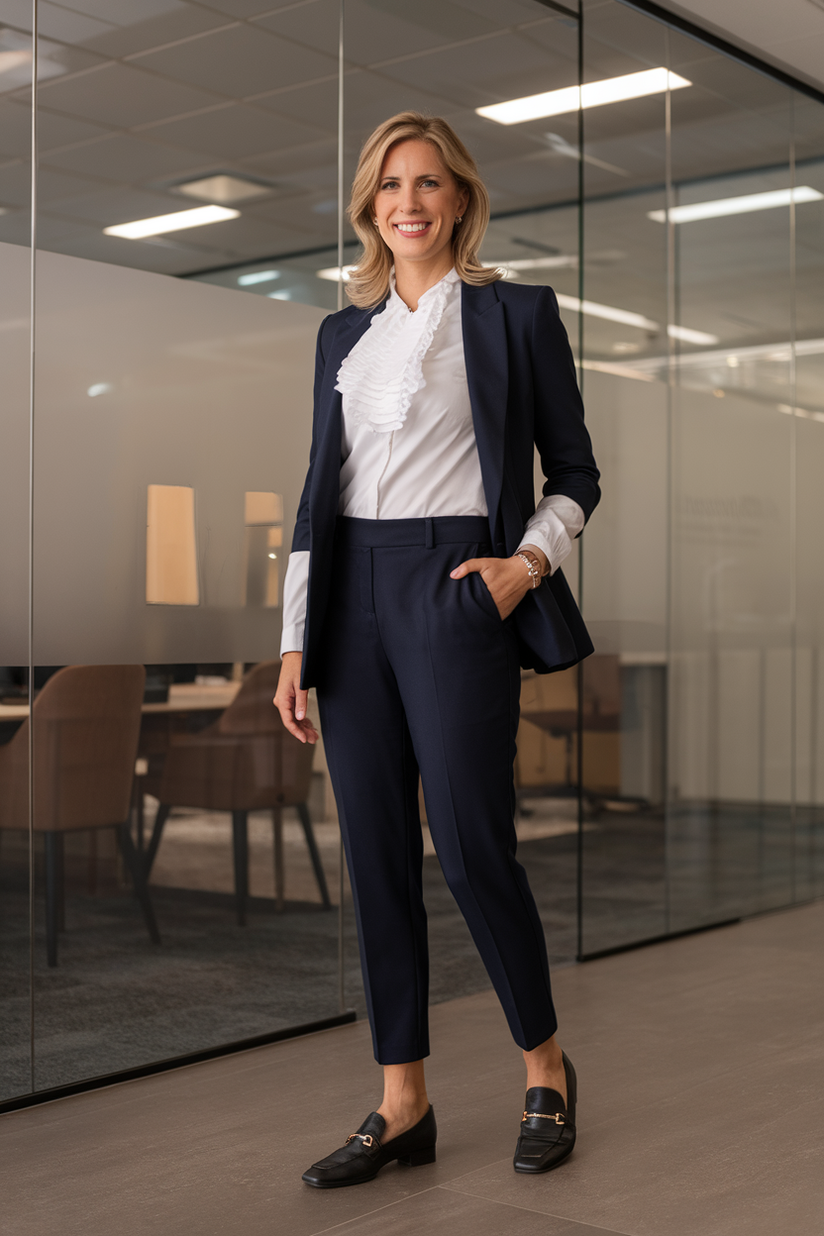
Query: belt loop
430, 533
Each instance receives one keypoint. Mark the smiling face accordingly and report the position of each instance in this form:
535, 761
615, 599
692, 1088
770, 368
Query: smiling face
416, 205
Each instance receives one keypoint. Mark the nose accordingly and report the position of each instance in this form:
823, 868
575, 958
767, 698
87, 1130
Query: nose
409, 202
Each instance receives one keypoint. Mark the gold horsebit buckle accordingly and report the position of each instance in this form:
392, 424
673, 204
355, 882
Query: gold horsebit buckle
366, 1138
558, 1117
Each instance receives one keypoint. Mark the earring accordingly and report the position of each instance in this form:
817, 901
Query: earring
459, 219
375, 222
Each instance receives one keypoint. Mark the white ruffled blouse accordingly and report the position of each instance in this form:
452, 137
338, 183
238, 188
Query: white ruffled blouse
385, 368
408, 446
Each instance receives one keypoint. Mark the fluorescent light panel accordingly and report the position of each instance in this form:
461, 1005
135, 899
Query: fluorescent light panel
171, 223
333, 273
559, 262
626, 318
257, 276
592, 94
737, 205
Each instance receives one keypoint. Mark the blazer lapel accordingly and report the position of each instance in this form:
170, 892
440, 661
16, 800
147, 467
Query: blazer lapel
323, 499
485, 353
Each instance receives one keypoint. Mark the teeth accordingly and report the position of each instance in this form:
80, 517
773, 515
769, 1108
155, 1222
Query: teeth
411, 227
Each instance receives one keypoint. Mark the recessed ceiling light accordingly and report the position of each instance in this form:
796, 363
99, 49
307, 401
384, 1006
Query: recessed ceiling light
98, 388
592, 94
257, 276
223, 188
284, 295
736, 205
171, 223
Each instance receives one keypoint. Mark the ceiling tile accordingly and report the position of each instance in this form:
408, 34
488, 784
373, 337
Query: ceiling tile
377, 31
240, 61
244, 8
122, 95
55, 130
316, 105
16, 13
293, 162
55, 60
15, 130
160, 260
370, 98
15, 186
317, 228
508, 12
52, 231
106, 206
506, 66
59, 23
187, 20
235, 132
124, 12
54, 186
124, 157
15, 228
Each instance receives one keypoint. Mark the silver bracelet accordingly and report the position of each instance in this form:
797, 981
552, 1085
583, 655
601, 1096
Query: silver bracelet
532, 567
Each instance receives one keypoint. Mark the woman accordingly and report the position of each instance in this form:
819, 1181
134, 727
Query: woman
421, 577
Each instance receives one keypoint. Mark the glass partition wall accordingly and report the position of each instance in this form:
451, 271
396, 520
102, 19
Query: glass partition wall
172, 882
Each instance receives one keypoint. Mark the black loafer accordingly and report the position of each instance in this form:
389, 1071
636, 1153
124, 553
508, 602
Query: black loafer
548, 1127
363, 1156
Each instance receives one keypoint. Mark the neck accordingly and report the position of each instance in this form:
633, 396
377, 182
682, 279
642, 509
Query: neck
412, 279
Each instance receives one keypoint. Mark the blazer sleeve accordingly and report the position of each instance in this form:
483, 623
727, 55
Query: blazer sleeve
560, 433
300, 537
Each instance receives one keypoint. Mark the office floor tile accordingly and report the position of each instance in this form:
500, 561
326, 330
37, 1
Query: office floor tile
700, 1065
438, 1211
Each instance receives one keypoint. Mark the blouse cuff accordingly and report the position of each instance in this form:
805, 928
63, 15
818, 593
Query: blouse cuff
295, 587
292, 639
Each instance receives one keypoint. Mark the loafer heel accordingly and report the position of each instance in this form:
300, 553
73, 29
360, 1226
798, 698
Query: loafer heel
418, 1158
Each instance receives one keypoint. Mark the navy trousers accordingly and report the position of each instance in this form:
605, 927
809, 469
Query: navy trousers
419, 673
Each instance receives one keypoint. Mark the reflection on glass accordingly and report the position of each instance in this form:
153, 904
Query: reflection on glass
171, 552
263, 549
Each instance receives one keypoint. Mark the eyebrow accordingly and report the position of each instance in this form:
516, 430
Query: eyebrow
422, 176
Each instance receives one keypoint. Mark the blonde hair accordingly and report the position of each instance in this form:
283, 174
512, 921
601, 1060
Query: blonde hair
369, 280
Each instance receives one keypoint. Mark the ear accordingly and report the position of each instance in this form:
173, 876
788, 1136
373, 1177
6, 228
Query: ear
463, 200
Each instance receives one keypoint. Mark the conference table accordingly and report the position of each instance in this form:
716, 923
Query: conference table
183, 697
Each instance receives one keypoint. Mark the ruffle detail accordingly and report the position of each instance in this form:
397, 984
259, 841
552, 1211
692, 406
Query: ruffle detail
384, 370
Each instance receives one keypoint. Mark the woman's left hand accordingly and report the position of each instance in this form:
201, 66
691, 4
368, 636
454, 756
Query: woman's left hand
507, 579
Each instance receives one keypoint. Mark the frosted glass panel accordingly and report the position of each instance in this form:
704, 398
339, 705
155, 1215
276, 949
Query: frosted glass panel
172, 433
15, 366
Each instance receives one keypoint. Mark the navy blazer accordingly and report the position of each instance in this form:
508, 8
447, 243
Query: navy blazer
523, 391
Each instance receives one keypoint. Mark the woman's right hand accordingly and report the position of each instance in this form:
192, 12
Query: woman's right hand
290, 700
